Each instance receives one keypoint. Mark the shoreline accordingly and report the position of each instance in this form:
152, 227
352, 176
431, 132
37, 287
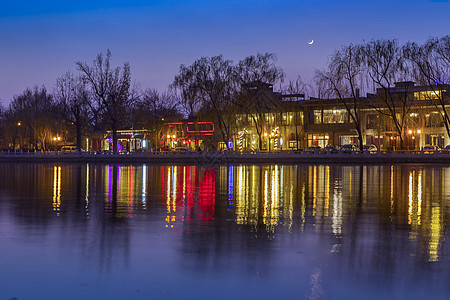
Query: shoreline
205, 158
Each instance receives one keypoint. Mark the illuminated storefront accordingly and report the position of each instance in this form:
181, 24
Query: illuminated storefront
188, 134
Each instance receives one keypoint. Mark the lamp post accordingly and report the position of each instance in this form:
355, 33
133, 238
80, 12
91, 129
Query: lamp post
16, 135
412, 135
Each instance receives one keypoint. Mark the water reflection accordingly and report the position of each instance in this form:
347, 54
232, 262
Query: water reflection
269, 197
367, 222
56, 189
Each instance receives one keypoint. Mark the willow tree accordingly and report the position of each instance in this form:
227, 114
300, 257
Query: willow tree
111, 90
385, 65
256, 75
431, 67
344, 78
210, 81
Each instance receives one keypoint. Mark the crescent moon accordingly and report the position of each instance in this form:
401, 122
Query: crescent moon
312, 42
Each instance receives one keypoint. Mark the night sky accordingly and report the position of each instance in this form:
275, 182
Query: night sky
41, 40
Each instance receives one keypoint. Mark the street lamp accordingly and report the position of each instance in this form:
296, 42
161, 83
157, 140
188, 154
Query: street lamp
412, 133
16, 136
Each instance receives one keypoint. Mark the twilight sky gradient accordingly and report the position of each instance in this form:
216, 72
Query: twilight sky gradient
41, 40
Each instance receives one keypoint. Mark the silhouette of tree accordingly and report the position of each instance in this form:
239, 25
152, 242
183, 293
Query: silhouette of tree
35, 109
74, 102
152, 109
209, 81
257, 75
343, 78
431, 67
111, 90
385, 66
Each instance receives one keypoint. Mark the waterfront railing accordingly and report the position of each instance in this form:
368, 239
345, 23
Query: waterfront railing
250, 156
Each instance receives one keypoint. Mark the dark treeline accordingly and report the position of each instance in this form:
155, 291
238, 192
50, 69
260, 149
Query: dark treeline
102, 97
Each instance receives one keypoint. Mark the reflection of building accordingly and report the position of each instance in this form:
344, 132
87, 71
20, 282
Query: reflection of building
189, 194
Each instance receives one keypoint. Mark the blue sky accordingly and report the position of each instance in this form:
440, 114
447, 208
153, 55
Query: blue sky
41, 40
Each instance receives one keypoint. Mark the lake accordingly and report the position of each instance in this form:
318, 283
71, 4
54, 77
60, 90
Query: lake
136, 231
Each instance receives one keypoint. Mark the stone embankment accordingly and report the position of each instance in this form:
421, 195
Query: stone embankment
285, 157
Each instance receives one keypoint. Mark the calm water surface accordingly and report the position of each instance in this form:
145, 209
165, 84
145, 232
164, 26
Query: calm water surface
84, 231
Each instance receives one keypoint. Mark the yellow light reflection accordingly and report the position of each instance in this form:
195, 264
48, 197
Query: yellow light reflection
419, 199
274, 207
314, 190
266, 188
86, 198
327, 191
435, 234
410, 198
241, 197
57, 189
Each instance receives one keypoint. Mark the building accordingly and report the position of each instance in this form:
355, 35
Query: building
406, 116
276, 122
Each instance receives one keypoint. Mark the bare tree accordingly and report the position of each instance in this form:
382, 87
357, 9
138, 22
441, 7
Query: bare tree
343, 79
3, 126
386, 66
74, 102
111, 89
431, 67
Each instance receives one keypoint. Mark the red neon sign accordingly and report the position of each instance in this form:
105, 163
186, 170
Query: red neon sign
200, 131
